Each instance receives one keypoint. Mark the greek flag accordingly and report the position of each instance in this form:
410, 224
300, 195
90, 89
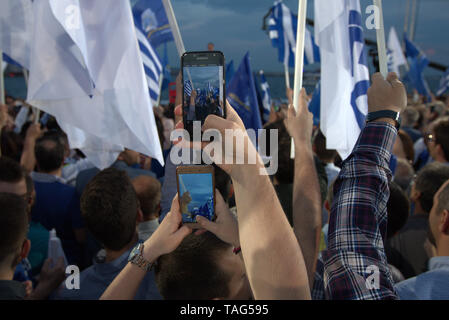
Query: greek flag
187, 88
282, 32
344, 72
152, 65
266, 97
444, 84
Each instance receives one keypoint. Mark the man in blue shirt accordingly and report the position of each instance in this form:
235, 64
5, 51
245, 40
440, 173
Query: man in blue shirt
111, 210
57, 204
433, 284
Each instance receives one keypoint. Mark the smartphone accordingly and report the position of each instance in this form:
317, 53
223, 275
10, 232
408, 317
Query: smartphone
203, 78
196, 193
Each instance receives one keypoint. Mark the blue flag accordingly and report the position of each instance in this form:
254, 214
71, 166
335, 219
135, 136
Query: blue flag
266, 97
150, 17
242, 95
166, 71
444, 84
229, 72
9, 60
418, 62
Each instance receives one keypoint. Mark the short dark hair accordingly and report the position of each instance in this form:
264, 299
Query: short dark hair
49, 152
191, 272
398, 207
441, 130
13, 225
324, 154
148, 190
10, 170
109, 206
428, 181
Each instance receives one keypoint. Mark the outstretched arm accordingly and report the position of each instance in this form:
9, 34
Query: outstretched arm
306, 188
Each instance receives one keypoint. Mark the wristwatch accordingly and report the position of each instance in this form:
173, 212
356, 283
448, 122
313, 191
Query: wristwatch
385, 114
136, 257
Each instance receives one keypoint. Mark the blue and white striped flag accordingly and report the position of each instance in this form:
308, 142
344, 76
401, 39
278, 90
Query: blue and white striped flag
444, 84
152, 65
282, 32
187, 88
266, 97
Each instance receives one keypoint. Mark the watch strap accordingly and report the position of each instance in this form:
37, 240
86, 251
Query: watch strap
385, 114
140, 261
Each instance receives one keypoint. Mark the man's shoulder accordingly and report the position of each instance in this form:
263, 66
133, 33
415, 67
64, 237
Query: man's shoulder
431, 285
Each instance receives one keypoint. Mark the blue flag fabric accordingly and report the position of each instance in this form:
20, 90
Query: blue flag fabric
266, 97
283, 26
150, 17
418, 61
9, 60
229, 72
444, 84
242, 95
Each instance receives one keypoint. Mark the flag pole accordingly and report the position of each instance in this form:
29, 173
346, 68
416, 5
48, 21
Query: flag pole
299, 59
287, 76
2, 81
381, 47
36, 111
161, 79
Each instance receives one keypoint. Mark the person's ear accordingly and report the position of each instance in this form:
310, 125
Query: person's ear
139, 215
415, 195
26, 246
444, 222
327, 205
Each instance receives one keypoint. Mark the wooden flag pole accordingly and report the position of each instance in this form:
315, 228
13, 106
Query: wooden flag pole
299, 59
381, 47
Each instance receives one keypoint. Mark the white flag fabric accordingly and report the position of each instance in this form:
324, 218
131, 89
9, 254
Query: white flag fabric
87, 71
397, 57
16, 25
344, 72
4, 65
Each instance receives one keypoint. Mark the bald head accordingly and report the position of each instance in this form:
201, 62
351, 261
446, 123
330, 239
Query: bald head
148, 191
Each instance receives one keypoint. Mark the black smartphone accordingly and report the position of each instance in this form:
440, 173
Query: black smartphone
196, 193
203, 78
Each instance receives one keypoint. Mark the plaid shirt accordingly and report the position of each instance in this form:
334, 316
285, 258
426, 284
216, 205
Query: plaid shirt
354, 266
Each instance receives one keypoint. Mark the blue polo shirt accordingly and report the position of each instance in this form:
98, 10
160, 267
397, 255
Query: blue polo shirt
95, 280
57, 206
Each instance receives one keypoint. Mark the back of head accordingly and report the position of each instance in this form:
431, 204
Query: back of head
319, 145
192, 271
404, 173
407, 145
410, 117
13, 228
12, 177
398, 207
286, 165
49, 152
148, 191
428, 181
109, 206
441, 130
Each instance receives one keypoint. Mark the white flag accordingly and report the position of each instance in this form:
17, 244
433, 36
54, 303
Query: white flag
344, 72
397, 56
16, 25
87, 71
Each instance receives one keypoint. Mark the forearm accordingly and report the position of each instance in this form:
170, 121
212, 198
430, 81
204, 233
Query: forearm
307, 207
273, 258
28, 159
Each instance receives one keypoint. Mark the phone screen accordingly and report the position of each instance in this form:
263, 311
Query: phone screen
203, 87
196, 196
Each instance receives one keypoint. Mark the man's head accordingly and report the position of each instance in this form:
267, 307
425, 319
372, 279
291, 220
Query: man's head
110, 207
439, 220
410, 117
49, 152
202, 268
14, 245
12, 177
427, 183
404, 173
398, 208
210, 46
130, 157
438, 140
148, 191
319, 147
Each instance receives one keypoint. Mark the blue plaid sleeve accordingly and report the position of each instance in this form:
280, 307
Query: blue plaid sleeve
355, 265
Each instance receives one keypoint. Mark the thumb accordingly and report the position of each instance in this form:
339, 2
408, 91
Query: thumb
206, 224
179, 235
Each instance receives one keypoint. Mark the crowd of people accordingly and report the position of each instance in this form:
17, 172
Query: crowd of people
374, 226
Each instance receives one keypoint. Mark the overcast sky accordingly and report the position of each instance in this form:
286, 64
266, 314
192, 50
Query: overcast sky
235, 26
